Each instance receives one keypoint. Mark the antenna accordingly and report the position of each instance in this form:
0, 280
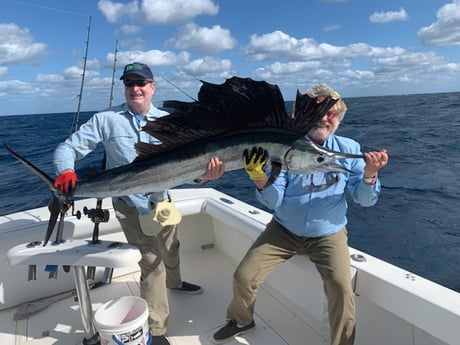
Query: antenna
77, 114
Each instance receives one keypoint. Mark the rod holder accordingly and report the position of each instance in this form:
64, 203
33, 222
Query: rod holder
91, 272
32, 274
107, 277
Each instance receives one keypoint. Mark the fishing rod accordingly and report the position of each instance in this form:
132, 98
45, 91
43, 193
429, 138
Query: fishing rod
98, 214
85, 58
60, 208
113, 74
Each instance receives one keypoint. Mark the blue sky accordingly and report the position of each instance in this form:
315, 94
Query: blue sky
359, 47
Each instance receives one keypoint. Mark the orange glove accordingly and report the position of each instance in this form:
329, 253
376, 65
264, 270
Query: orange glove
66, 182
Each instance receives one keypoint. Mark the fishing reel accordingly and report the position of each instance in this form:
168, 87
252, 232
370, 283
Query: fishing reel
97, 215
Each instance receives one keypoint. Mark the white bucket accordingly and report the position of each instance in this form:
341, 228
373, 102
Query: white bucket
123, 321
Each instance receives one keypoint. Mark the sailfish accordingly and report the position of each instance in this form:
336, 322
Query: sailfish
226, 118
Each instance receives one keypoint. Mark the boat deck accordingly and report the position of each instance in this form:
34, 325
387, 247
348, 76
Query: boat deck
394, 306
193, 318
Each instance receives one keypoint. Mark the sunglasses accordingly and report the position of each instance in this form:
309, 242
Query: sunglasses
140, 82
331, 114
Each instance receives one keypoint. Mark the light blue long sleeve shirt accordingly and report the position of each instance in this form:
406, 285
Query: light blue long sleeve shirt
118, 130
313, 205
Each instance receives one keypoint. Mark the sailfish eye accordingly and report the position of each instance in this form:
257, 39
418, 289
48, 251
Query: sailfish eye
320, 159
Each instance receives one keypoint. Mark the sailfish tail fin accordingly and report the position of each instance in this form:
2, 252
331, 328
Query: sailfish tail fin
37, 171
57, 201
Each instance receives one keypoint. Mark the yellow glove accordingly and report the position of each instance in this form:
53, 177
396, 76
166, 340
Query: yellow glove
165, 213
254, 163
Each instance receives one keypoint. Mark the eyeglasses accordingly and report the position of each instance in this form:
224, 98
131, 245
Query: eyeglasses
139, 82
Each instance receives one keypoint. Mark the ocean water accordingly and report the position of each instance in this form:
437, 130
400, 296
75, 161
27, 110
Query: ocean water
415, 224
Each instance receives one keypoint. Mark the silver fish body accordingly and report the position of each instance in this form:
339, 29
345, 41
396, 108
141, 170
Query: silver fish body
182, 165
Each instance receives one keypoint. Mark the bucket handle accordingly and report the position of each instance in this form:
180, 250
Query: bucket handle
116, 340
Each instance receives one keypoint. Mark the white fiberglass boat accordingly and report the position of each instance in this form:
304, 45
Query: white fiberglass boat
56, 306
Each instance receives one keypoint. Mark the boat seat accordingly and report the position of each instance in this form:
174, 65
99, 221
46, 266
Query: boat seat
77, 254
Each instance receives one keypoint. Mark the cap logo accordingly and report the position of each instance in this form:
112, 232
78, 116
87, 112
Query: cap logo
133, 67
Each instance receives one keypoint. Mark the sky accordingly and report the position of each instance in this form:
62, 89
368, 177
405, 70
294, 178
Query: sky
358, 47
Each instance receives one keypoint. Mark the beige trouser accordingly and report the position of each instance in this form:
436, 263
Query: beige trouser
276, 245
159, 264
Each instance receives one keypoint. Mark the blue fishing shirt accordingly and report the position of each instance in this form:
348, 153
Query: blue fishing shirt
118, 129
315, 205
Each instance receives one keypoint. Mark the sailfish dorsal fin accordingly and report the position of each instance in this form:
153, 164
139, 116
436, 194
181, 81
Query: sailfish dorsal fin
237, 104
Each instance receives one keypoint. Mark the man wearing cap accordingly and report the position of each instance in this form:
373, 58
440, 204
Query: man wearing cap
309, 219
119, 129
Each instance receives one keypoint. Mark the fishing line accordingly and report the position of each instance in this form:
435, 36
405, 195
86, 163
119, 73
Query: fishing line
48, 8
178, 88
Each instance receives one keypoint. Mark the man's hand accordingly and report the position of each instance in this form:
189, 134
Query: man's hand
254, 163
375, 161
214, 170
66, 182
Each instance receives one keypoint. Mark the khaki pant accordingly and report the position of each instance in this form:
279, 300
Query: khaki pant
276, 245
159, 264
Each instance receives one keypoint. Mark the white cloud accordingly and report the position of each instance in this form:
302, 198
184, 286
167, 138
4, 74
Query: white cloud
167, 11
130, 29
207, 65
454, 67
157, 11
73, 72
17, 45
3, 70
358, 74
49, 78
388, 16
278, 45
365, 65
91, 64
446, 30
404, 79
112, 11
17, 87
290, 68
409, 61
334, 27
152, 57
134, 43
204, 40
